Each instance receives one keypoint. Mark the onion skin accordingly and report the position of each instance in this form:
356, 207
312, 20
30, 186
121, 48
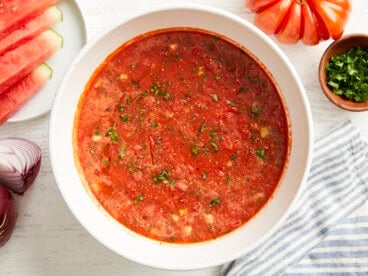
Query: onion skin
20, 162
8, 215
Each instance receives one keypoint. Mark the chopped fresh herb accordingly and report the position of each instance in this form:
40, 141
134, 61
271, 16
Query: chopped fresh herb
215, 202
347, 74
214, 145
154, 125
135, 83
195, 150
213, 134
97, 132
232, 103
128, 100
218, 78
202, 127
163, 176
122, 151
144, 94
204, 175
159, 139
121, 107
233, 156
158, 90
113, 134
172, 183
261, 152
255, 110
215, 97
105, 162
155, 179
124, 117
139, 197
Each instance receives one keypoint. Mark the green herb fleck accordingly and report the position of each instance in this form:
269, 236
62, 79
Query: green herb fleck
154, 125
255, 110
139, 197
113, 134
172, 183
163, 176
218, 78
124, 117
128, 100
215, 202
195, 150
202, 127
233, 156
135, 83
122, 151
261, 152
347, 74
105, 162
121, 107
232, 103
214, 145
133, 66
204, 175
155, 179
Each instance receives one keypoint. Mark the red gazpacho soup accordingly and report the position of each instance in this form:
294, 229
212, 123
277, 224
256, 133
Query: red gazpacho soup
181, 135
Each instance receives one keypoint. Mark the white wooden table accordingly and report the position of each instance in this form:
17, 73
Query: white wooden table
48, 240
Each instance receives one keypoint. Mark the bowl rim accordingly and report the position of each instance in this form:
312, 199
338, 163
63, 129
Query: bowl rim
216, 12
327, 54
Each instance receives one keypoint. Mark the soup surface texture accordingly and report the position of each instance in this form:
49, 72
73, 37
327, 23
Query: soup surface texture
181, 135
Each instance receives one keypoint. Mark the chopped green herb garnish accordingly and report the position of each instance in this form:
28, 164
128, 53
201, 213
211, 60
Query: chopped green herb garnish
154, 125
121, 107
261, 152
113, 134
233, 156
155, 179
213, 134
163, 176
204, 175
122, 151
202, 127
124, 118
128, 100
215, 202
214, 146
218, 78
135, 83
214, 97
105, 162
172, 183
195, 150
347, 74
144, 94
139, 197
255, 110
232, 103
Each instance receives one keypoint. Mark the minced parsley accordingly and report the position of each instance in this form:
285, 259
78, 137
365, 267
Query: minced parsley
347, 74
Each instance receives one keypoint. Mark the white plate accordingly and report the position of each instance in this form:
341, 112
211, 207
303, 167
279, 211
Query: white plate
73, 30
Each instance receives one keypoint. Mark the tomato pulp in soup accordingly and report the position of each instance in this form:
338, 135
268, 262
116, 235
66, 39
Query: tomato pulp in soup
181, 135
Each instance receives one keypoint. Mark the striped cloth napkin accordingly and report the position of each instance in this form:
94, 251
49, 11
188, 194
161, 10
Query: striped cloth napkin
327, 229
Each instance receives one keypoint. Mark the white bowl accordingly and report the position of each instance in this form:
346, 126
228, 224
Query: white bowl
122, 240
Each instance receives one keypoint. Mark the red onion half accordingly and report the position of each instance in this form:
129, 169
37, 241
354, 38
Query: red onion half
8, 215
20, 162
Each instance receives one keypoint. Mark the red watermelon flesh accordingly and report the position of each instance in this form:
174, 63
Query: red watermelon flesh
33, 28
16, 13
17, 63
16, 96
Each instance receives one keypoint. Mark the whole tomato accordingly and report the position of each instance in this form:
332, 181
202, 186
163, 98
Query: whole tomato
308, 20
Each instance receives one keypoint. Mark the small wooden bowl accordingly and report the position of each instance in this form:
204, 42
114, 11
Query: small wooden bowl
337, 47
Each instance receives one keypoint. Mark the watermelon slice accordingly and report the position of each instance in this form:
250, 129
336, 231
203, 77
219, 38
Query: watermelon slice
17, 95
16, 13
17, 63
33, 28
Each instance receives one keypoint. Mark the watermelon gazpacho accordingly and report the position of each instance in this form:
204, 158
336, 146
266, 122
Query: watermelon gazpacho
181, 135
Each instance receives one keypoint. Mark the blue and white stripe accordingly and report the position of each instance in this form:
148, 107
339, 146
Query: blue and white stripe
322, 233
